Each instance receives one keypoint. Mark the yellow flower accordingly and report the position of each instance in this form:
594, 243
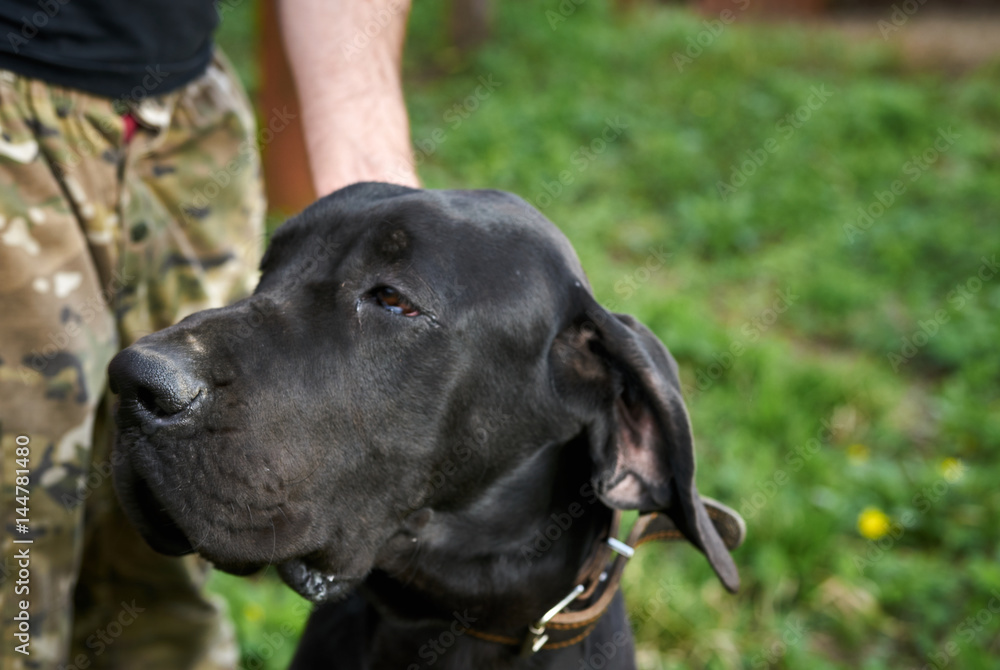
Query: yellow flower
253, 612
952, 469
858, 453
873, 523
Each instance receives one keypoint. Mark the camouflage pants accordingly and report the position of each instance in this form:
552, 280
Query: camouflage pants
111, 227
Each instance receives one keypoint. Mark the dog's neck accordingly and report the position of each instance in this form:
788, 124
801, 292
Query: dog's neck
495, 567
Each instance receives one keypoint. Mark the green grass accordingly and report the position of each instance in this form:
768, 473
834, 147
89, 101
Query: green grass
809, 424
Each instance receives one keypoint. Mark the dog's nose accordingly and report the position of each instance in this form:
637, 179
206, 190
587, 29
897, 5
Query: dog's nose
151, 384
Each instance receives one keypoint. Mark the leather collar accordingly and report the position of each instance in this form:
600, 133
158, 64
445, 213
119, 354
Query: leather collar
600, 577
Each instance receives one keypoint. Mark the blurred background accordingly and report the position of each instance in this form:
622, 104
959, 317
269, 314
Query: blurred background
802, 199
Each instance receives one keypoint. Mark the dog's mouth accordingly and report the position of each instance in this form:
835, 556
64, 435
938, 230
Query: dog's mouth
284, 541
164, 535
153, 521
157, 526
313, 583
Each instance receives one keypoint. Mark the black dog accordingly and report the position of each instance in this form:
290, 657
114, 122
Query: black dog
420, 390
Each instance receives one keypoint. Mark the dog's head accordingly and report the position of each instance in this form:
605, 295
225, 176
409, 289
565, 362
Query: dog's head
404, 351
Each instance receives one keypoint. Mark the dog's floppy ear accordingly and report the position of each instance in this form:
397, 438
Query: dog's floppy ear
623, 383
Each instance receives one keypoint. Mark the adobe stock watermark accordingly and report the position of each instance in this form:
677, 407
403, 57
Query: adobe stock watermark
696, 44
265, 650
103, 638
923, 501
603, 652
437, 646
150, 82
631, 282
565, 9
958, 298
482, 428
740, 173
257, 309
901, 13
363, 35
750, 332
78, 151
646, 609
794, 632
581, 159
247, 155
82, 148
866, 215
223, 7
557, 524
600, 655
795, 459
48, 9
74, 323
97, 474
965, 633
453, 117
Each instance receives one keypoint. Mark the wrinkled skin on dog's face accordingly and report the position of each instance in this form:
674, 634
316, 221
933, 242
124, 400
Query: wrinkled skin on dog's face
395, 350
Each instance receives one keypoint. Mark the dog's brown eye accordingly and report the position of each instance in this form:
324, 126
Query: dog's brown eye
394, 301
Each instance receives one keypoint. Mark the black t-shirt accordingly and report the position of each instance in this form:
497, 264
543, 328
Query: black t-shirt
114, 48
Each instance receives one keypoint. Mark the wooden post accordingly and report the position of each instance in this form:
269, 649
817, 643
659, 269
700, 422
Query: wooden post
286, 166
471, 23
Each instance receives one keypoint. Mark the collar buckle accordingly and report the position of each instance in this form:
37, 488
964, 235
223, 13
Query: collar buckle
537, 637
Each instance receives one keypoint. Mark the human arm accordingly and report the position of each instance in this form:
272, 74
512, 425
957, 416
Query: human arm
345, 57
